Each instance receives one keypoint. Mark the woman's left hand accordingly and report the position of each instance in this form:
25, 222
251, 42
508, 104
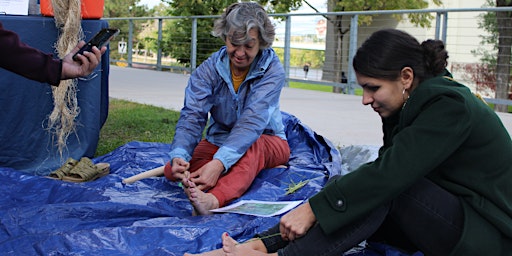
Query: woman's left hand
297, 222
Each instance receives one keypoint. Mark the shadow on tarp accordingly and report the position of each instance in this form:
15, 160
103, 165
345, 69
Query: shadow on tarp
42, 216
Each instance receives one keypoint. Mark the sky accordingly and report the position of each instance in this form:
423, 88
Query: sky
149, 3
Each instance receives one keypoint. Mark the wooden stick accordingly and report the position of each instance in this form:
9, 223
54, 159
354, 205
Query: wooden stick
147, 174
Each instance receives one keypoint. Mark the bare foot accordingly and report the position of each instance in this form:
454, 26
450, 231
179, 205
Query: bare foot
230, 247
233, 248
217, 252
201, 201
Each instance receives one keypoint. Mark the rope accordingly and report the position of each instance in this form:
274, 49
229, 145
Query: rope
61, 122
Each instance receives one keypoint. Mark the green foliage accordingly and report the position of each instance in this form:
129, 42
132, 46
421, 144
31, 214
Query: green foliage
489, 23
281, 6
125, 8
488, 57
334, 52
177, 37
420, 19
299, 57
177, 34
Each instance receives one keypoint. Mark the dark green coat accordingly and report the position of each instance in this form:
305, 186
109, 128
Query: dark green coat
453, 138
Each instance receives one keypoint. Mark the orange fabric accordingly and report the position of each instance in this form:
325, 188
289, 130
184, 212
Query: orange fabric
237, 80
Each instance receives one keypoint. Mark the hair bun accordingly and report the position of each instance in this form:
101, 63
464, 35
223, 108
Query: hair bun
435, 56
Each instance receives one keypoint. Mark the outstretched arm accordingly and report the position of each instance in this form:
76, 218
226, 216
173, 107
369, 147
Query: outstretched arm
31, 63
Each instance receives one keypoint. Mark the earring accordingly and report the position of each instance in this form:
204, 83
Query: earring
405, 99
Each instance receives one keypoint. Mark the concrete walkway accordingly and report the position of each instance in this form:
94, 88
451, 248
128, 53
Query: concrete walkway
340, 118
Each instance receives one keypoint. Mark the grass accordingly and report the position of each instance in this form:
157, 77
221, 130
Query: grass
313, 87
128, 121
318, 87
509, 109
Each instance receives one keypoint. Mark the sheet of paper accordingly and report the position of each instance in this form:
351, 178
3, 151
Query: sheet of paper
14, 7
259, 208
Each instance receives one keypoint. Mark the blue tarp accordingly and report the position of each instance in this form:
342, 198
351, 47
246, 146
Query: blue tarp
41, 216
150, 217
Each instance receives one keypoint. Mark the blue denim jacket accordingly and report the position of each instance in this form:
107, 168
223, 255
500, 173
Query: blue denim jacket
236, 120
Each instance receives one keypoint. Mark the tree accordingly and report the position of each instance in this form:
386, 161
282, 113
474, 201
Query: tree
177, 33
504, 22
336, 29
497, 60
177, 36
125, 8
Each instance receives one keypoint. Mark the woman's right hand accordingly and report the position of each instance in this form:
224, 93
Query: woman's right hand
178, 168
297, 222
86, 65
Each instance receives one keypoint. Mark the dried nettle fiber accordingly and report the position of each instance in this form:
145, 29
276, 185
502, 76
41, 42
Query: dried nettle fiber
61, 122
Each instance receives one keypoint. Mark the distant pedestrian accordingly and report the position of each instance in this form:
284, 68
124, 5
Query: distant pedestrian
306, 70
344, 81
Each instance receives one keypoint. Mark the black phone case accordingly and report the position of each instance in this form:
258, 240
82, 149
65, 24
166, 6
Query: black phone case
99, 40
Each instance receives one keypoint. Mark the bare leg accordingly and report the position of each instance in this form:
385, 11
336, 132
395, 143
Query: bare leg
232, 248
201, 201
250, 248
218, 252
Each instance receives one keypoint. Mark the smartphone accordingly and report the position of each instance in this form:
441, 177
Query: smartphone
99, 40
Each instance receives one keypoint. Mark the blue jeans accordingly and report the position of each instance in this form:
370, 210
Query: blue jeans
425, 218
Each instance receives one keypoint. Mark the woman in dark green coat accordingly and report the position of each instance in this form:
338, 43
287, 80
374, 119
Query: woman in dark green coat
442, 183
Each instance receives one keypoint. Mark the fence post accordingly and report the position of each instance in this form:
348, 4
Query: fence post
445, 27
352, 49
159, 43
438, 25
441, 26
130, 42
193, 53
287, 38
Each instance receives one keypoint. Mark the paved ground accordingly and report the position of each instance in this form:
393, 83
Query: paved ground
340, 118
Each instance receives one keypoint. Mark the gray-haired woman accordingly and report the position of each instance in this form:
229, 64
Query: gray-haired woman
239, 88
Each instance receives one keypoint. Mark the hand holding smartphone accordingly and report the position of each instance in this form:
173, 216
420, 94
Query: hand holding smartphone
101, 39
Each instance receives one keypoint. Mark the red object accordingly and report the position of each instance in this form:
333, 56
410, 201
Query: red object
90, 9
168, 171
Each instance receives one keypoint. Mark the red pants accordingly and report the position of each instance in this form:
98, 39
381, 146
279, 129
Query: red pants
267, 152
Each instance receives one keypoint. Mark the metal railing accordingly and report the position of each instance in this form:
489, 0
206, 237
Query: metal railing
458, 28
